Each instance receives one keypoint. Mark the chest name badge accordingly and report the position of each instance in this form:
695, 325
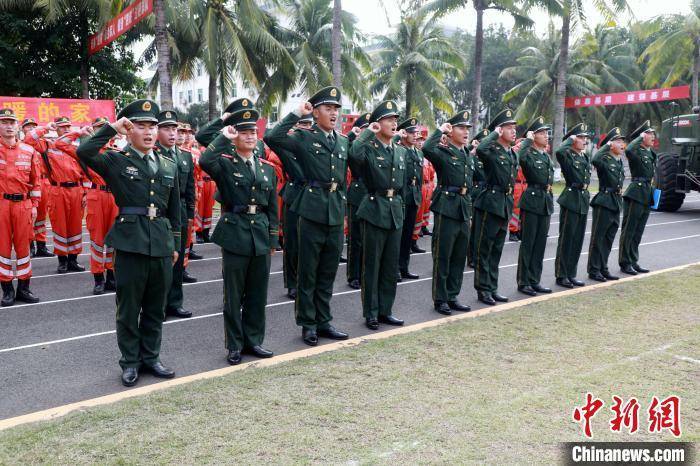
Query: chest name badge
133, 171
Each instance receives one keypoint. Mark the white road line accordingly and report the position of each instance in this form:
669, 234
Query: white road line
282, 303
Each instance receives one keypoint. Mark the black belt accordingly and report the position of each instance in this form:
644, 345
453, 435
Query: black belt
244, 208
15, 197
610, 190
581, 186
387, 193
359, 178
643, 180
333, 186
101, 187
543, 187
499, 188
207, 178
66, 184
461, 190
141, 211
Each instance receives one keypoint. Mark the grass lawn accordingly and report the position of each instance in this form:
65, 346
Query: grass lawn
498, 389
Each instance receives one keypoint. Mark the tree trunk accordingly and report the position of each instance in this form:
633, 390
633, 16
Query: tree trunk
560, 90
164, 81
213, 97
409, 95
478, 63
85, 57
696, 72
335, 44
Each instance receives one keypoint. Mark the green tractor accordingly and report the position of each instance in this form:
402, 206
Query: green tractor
678, 162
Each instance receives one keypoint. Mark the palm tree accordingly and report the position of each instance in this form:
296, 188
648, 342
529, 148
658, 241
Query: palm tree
411, 64
509, 6
163, 47
335, 43
675, 54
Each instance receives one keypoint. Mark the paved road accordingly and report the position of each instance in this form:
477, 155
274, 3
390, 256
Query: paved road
64, 350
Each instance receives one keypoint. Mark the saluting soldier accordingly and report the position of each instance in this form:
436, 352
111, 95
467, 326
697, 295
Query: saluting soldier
494, 206
574, 201
322, 154
479, 180
412, 195
638, 197
145, 236
356, 192
536, 207
382, 165
606, 204
166, 146
38, 247
247, 230
452, 206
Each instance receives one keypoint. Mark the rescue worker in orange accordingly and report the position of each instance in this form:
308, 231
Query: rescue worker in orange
185, 141
205, 203
20, 190
66, 194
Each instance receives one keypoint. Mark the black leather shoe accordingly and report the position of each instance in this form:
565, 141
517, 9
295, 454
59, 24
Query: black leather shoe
178, 312
99, 287
310, 337
234, 357
198, 238
576, 282
159, 370
639, 269
41, 250
8, 294
628, 270
258, 351
205, 235
32, 249
332, 333
73, 265
597, 276
292, 293
609, 276
528, 290
372, 323
541, 289
390, 320
486, 298
110, 282
187, 278
443, 308
564, 282
409, 276
130, 375
457, 306
194, 256
354, 284
415, 249
499, 297
62, 264
24, 294
343, 260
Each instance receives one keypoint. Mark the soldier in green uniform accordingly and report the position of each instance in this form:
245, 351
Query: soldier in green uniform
145, 236
606, 204
356, 192
536, 207
477, 186
247, 230
166, 147
638, 197
382, 165
412, 194
322, 154
574, 201
452, 206
494, 205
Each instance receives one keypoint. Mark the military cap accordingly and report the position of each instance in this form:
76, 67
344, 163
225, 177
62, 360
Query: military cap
409, 125
327, 96
578, 130
386, 109
481, 134
62, 121
461, 118
29, 121
100, 121
7, 114
167, 118
243, 119
362, 121
505, 117
613, 135
239, 104
141, 110
537, 125
307, 117
645, 128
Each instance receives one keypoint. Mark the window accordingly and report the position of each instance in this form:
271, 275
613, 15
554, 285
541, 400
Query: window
234, 91
200, 95
189, 96
182, 97
199, 70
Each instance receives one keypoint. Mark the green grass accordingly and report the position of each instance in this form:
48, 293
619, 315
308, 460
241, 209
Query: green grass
498, 389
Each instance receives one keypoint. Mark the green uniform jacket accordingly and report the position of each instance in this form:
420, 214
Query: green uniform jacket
412, 193
357, 188
642, 162
185, 168
539, 175
321, 164
501, 168
132, 185
577, 171
381, 170
479, 180
242, 233
455, 169
611, 177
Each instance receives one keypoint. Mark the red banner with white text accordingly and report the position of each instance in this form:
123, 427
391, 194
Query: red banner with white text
627, 98
44, 110
118, 25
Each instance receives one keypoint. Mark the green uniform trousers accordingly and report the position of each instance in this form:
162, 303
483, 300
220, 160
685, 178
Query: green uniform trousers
354, 265
572, 229
534, 229
634, 219
605, 226
290, 256
449, 249
409, 221
320, 246
490, 234
380, 255
245, 298
175, 295
142, 288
